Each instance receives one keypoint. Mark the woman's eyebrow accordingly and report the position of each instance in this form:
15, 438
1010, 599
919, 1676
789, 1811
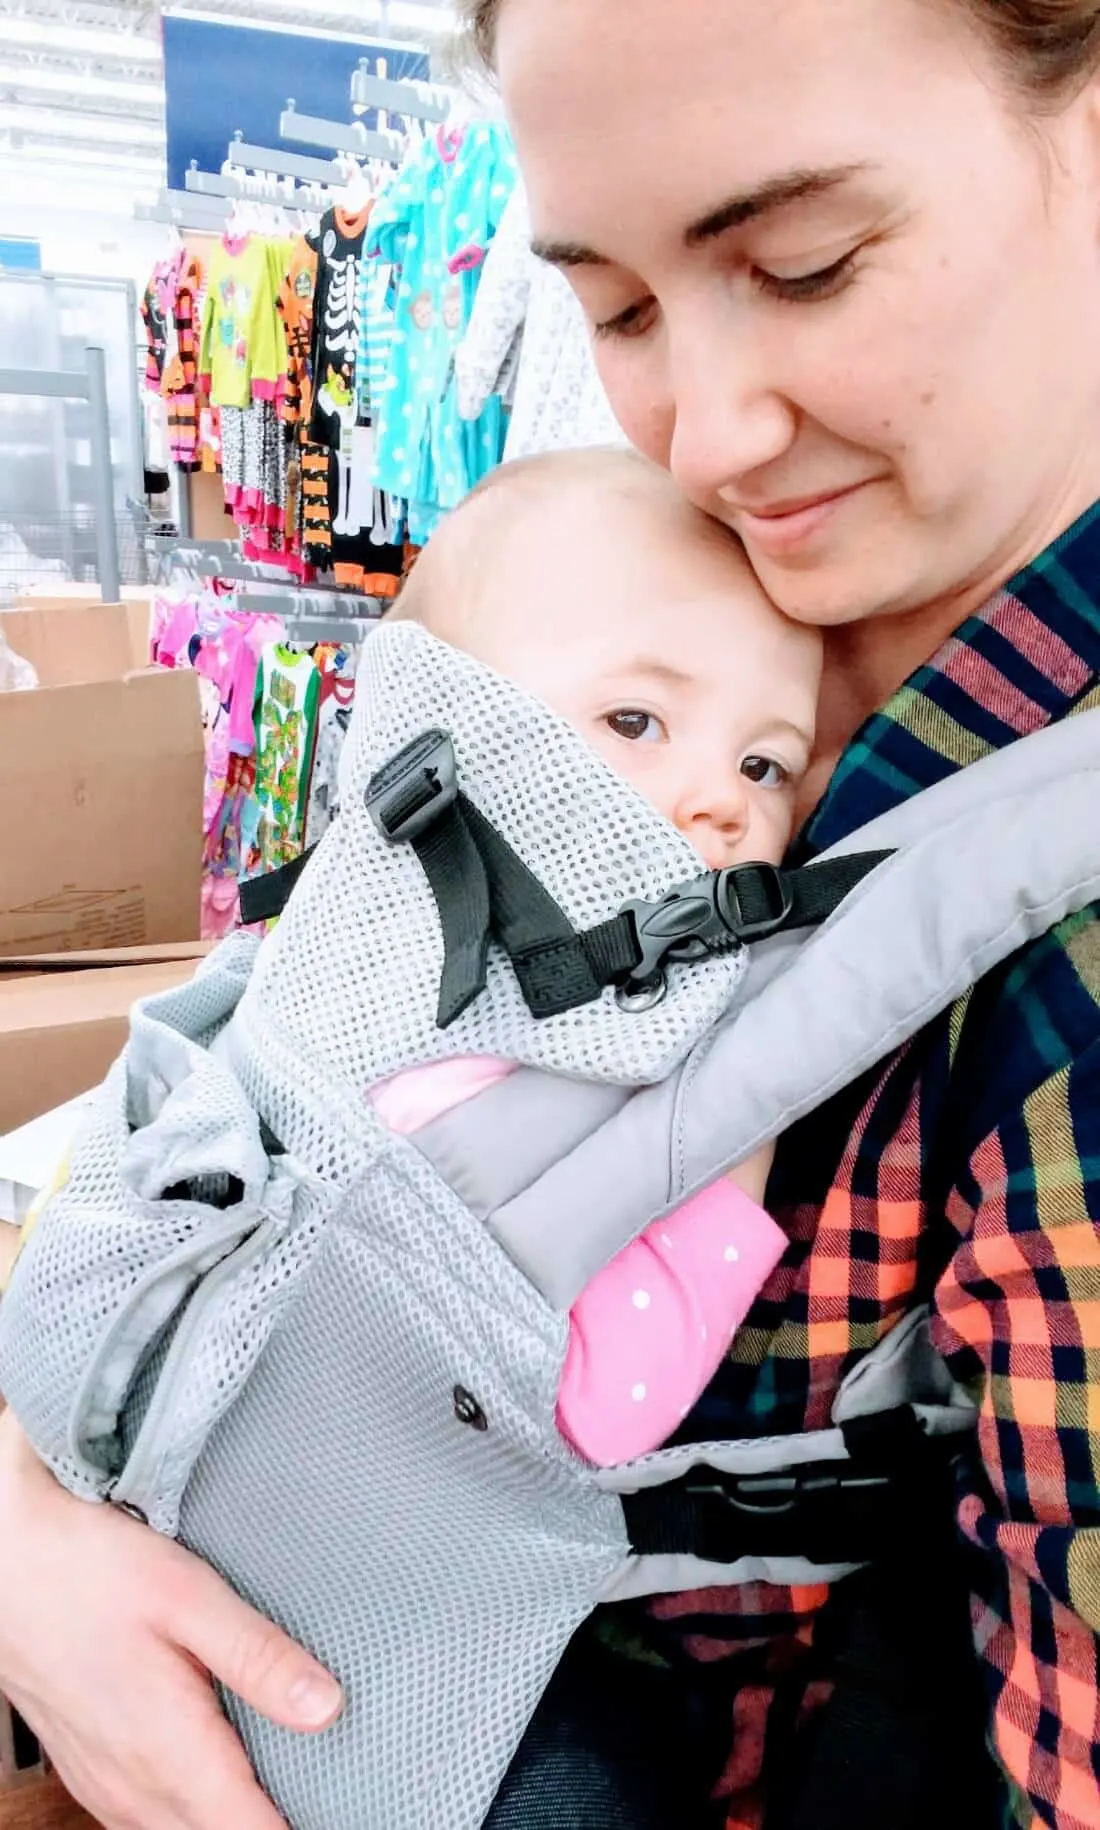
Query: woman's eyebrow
773, 194
568, 254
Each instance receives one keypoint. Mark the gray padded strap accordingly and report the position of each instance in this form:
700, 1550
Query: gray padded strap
497, 1145
1025, 767
979, 883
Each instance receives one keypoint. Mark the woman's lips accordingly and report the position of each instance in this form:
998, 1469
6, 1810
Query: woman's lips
789, 526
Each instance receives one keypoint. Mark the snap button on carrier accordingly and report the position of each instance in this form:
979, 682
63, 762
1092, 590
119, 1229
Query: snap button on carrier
469, 1411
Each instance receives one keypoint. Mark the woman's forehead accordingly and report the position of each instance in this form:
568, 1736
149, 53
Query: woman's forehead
667, 110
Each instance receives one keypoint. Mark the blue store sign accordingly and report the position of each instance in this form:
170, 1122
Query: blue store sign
221, 79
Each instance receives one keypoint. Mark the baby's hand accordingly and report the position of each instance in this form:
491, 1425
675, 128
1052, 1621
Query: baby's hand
752, 1176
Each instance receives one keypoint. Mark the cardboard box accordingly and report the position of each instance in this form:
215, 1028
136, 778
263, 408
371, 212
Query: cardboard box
19, 965
73, 644
101, 775
137, 601
61, 1030
66, 594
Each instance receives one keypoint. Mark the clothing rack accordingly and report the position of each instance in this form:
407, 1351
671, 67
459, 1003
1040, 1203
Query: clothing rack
283, 164
219, 184
210, 559
340, 136
416, 101
316, 616
89, 384
184, 210
222, 559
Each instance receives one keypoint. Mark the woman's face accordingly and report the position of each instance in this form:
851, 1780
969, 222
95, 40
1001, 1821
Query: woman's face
840, 284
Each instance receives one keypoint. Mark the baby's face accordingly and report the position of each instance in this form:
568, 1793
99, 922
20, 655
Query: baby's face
656, 642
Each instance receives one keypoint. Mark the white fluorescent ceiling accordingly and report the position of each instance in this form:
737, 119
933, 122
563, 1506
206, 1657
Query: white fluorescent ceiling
79, 41
79, 87
62, 127
82, 95
147, 166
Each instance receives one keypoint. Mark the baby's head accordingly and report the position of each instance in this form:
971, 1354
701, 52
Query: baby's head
588, 580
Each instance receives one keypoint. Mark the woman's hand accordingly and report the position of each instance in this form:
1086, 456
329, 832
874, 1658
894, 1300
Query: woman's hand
107, 1636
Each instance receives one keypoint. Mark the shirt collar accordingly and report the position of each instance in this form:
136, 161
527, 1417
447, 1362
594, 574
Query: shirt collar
1022, 662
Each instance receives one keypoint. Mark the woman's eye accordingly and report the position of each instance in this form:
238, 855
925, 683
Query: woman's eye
636, 727
765, 773
633, 322
804, 288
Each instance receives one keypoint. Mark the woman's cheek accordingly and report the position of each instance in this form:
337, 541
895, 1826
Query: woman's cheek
634, 390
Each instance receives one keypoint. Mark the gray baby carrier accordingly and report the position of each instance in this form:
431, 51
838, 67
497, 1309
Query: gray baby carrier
327, 1358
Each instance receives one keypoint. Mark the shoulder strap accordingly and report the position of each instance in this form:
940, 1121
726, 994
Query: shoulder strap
909, 940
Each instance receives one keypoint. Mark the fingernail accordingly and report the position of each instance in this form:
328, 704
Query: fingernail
315, 1698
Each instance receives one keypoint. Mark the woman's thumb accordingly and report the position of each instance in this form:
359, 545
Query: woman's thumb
255, 1659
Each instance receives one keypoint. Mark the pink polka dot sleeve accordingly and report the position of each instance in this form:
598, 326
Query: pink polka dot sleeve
649, 1333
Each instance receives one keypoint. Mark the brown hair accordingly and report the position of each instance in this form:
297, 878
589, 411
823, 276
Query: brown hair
1048, 47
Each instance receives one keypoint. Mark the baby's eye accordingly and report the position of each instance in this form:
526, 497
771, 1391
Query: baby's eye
764, 772
636, 727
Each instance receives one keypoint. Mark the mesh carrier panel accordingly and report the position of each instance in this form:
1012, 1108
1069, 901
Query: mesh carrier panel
364, 904
439, 1569
287, 1359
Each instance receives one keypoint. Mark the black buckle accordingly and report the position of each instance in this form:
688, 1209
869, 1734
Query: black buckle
770, 886
826, 1510
829, 1513
705, 917
412, 790
895, 1481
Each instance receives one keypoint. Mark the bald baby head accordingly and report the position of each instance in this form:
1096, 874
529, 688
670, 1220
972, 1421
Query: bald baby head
535, 508
588, 580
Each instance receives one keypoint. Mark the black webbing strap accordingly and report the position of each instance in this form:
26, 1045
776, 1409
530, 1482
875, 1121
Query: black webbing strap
816, 891
901, 1741
482, 888
484, 891
264, 898
829, 1512
549, 957
727, 909
453, 865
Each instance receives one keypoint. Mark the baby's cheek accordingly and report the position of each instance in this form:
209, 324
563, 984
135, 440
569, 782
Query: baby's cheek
773, 825
640, 765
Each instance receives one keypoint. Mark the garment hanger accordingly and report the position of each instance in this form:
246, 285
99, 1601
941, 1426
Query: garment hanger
358, 191
236, 223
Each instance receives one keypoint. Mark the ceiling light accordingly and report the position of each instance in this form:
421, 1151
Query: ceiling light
65, 124
64, 82
43, 189
50, 35
149, 166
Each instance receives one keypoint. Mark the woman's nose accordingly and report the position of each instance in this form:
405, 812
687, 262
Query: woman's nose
729, 417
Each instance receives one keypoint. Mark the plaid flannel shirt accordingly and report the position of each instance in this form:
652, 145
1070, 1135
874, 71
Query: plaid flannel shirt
965, 1171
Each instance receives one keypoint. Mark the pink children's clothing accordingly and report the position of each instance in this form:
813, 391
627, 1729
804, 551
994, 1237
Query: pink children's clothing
650, 1331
